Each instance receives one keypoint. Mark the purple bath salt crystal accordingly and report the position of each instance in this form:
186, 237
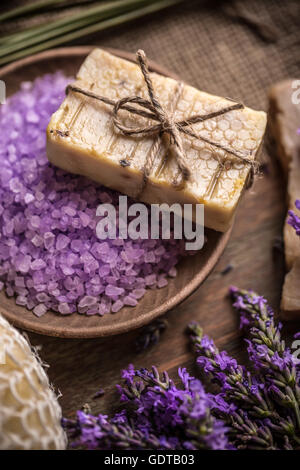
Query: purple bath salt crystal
15, 185
19, 281
9, 291
64, 308
131, 301
138, 293
9, 228
116, 306
32, 117
67, 270
50, 256
38, 264
72, 258
162, 282
85, 218
37, 240
172, 272
30, 303
93, 310
69, 211
35, 221
56, 214
149, 257
49, 240
42, 297
91, 266
150, 280
76, 245
40, 310
104, 270
112, 291
39, 196
21, 300
21, 290
102, 309
87, 301
22, 263
62, 242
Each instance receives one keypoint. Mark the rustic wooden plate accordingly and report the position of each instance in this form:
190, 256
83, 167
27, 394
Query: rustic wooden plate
192, 270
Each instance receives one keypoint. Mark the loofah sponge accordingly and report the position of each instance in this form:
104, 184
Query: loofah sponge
29, 412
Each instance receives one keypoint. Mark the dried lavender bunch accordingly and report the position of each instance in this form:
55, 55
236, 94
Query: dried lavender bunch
150, 334
265, 404
256, 409
294, 219
161, 416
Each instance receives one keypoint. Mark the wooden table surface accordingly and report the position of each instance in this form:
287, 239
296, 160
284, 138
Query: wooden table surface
78, 368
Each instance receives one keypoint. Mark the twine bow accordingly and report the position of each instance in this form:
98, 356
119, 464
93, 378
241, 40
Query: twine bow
166, 125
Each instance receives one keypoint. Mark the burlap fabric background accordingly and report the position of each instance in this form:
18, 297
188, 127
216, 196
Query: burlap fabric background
209, 46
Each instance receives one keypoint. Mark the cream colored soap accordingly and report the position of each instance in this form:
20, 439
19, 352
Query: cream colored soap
81, 139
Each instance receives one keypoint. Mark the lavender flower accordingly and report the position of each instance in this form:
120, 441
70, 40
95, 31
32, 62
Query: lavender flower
294, 219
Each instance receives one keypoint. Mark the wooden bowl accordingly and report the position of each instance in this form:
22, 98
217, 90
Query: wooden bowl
192, 270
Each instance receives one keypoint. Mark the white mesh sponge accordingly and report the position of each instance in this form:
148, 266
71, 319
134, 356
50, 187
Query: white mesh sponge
29, 412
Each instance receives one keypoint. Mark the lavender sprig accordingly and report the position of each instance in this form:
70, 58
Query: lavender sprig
238, 391
236, 383
272, 360
162, 416
267, 413
183, 413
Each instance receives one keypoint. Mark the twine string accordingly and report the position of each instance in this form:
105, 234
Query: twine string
165, 124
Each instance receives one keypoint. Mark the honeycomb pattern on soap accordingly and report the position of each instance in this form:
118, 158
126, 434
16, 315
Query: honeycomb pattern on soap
236, 130
239, 130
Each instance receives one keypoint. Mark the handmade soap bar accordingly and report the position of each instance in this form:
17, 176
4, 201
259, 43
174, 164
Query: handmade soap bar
82, 139
285, 122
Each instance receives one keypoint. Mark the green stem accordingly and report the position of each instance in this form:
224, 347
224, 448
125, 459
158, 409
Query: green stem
31, 8
61, 27
108, 9
119, 20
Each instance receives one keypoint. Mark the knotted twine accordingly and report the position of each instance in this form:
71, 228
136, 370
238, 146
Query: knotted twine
166, 125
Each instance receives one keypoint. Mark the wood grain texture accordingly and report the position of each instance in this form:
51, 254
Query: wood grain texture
192, 270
